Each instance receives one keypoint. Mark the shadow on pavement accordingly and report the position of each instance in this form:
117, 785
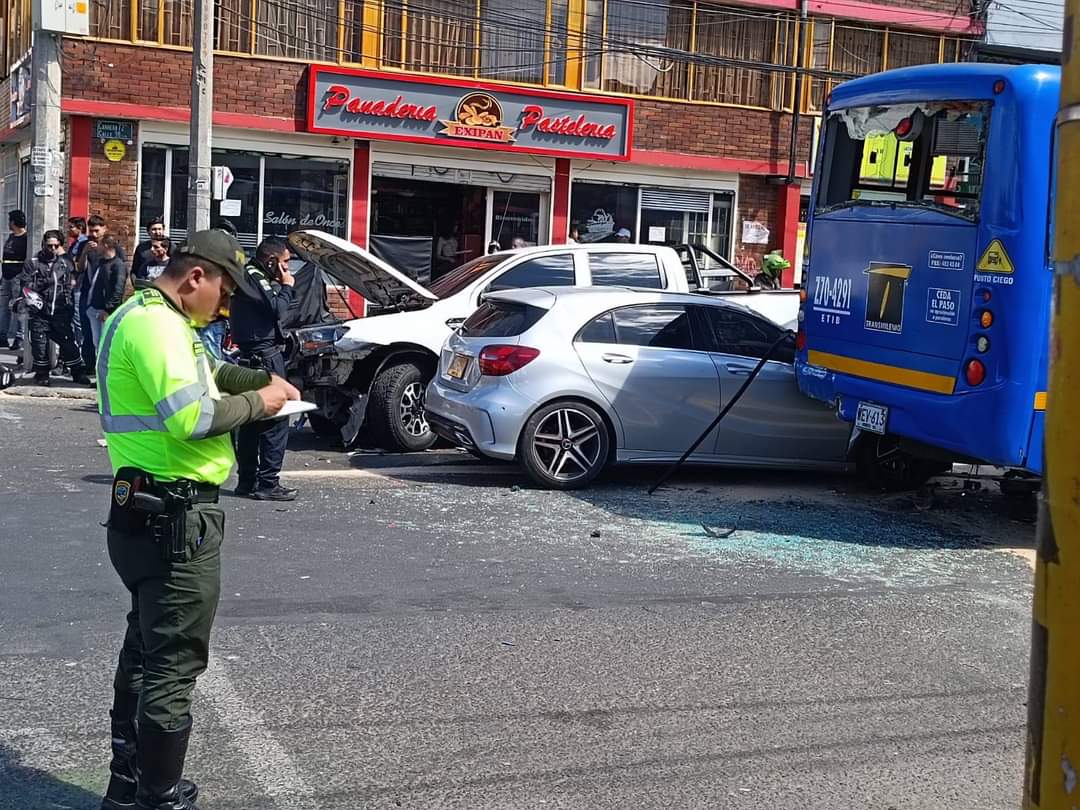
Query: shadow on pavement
26, 788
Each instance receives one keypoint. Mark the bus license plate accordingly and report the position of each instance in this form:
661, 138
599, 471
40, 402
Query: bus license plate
871, 417
458, 366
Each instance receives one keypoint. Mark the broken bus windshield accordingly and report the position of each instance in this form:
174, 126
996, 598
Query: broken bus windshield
929, 154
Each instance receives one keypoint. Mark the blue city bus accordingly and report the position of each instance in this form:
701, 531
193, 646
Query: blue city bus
926, 302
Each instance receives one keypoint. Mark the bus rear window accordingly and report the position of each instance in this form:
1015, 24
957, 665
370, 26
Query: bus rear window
924, 155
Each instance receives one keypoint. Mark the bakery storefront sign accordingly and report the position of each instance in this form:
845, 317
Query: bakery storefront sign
381, 106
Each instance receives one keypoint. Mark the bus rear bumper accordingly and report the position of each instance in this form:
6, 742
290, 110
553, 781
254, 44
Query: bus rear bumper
965, 424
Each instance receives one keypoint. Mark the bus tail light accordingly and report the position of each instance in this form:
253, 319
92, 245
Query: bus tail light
974, 372
982, 344
986, 319
803, 295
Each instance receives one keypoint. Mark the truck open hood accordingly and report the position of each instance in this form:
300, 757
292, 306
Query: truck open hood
360, 270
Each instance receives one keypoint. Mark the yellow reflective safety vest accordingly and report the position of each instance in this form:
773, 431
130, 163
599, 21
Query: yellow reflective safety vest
156, 394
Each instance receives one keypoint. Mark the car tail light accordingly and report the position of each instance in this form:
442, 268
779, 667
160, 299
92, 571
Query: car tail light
800, 340
903, 129
974, 372
498, 361
986, 319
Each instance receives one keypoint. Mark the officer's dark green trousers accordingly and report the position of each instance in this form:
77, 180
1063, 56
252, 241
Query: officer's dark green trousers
172, 610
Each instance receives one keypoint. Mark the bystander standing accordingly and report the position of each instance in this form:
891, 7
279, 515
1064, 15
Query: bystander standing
13, 261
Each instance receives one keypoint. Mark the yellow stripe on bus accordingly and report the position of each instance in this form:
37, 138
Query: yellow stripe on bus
1040, 400
923, 380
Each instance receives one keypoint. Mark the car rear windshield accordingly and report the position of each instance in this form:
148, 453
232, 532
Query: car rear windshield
928, 155
501, 319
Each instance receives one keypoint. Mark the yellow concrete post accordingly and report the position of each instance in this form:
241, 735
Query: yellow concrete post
1052, 774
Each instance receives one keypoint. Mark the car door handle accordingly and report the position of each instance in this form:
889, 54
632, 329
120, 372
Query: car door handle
617, 359
454, 323
734, 368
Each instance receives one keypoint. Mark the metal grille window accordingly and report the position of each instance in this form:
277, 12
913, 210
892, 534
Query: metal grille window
852, 50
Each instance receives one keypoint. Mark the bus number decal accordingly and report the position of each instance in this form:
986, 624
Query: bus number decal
832, 299
943, 306
886, 288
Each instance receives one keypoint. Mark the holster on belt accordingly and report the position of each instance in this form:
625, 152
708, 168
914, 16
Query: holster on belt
258, 359
139, 503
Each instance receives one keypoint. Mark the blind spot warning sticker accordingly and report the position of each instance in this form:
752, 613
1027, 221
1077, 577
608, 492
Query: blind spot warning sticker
995, 259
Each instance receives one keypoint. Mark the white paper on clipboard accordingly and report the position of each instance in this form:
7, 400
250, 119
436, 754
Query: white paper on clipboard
292, 408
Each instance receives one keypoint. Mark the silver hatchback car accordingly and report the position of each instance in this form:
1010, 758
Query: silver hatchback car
567, 380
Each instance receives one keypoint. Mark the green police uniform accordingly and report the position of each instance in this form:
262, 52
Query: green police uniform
167, 412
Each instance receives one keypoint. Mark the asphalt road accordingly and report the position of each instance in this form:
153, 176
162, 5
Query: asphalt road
430, 632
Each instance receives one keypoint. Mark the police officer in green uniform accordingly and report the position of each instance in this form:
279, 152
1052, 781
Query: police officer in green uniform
167, 412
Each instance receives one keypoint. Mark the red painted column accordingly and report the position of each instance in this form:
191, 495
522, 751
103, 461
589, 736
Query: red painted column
361, 209
560, 202
81, 129
788, 209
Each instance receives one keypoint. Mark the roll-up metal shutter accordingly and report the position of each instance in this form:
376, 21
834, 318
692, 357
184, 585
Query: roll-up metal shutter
675, 199
500, 181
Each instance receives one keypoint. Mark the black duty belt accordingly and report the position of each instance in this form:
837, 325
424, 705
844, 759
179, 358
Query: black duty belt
193, 491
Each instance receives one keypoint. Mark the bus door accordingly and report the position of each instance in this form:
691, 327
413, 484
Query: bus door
895, 241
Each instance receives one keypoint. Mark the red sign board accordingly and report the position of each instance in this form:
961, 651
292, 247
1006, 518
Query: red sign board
453, 112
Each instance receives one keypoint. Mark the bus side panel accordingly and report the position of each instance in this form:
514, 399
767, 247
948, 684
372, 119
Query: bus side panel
1034, 461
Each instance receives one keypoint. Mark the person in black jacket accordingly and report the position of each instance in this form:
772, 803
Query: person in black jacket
256, 327
13, 261
144, 250
108, 278
51, 274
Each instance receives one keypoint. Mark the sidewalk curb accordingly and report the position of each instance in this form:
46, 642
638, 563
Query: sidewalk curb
41, 392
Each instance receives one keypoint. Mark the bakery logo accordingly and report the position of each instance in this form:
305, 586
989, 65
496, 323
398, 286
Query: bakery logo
478, 117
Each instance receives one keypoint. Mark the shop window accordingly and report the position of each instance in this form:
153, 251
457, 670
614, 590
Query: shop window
543, 271
305, 194
625, 270
599, 210
515, 219
295, 193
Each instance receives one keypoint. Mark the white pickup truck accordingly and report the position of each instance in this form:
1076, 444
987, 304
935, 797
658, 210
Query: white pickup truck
372, 372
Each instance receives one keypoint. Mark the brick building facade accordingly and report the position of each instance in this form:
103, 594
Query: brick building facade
707, 93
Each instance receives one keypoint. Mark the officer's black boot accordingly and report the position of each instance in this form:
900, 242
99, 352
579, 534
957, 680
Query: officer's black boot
161, 765
123, 775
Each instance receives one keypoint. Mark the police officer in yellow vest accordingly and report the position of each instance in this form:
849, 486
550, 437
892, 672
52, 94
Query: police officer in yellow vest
167, 412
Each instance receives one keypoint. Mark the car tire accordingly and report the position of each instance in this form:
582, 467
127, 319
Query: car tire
396, 410
565, 445
884, 466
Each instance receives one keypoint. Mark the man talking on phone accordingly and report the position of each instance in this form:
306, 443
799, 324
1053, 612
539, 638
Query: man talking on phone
255, 321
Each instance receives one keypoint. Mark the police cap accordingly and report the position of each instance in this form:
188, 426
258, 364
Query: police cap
220, 248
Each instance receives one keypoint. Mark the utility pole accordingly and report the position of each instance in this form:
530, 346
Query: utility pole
202, 110
45, 153
1052, 774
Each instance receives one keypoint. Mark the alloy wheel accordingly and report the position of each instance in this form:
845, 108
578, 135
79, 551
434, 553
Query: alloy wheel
413, 417
567, 444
